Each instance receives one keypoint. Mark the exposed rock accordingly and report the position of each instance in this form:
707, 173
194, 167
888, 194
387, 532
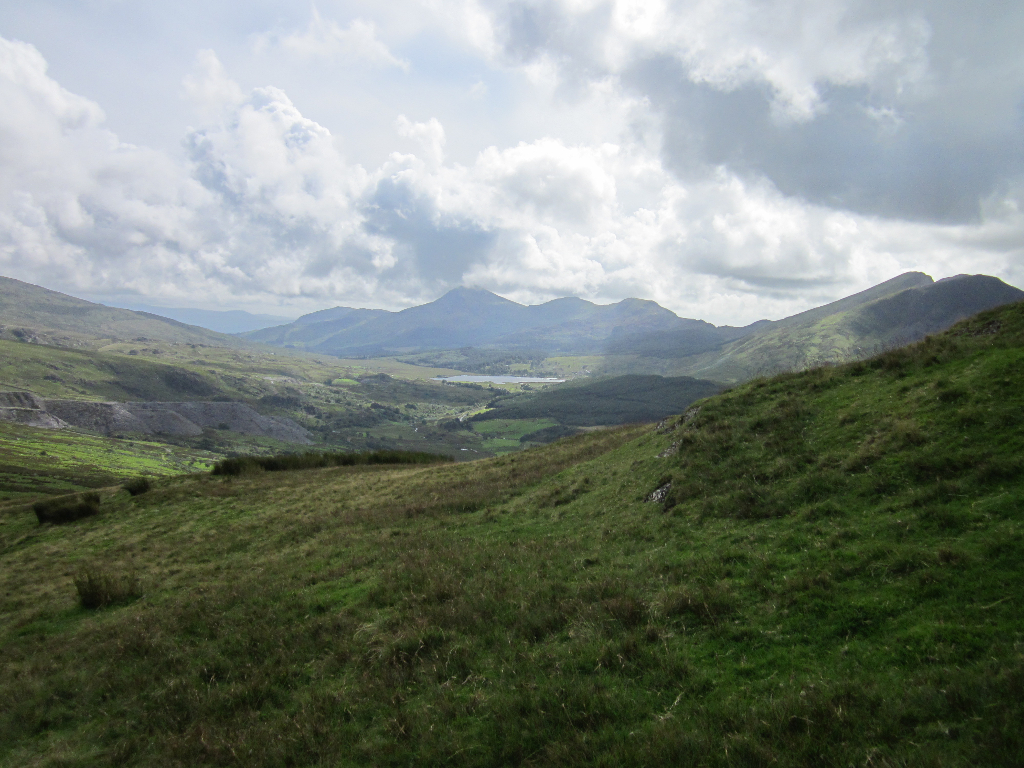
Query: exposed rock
238, 417
105, 418
185, 419
21, 400
659, 494
670, 451
28, 410
31, 417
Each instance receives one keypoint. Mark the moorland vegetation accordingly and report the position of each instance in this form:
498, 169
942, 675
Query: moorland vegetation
815, 568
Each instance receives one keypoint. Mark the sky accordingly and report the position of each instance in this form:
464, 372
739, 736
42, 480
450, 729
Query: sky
730, 159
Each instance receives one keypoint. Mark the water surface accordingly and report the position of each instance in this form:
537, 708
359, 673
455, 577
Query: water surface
500, 379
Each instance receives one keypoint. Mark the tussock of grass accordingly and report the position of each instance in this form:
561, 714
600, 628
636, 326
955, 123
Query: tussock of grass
98, 588
67, 510
137, 485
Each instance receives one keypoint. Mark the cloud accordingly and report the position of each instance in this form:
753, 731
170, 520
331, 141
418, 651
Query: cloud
326, 39
208, 87
791, 48
907, 112
264, 208
429, 136
266, 211
75, 203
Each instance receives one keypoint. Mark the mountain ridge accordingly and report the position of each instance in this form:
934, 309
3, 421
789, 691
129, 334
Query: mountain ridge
474, 317
232, 321
640, 336
855, 327
632, 336
30, 312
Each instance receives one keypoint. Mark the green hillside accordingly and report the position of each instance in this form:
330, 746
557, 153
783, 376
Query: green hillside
37, 462
891, 314
821, 568
347, 404
31, 313
613, 401
89, 375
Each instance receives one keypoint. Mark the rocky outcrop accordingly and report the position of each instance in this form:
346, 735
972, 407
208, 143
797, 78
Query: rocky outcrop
21, 400
236, 417
28, 410
185, 419
105, 418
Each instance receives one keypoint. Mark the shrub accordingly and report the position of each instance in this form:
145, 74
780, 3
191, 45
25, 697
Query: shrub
311, 460
99, 589
137, 485
66, 510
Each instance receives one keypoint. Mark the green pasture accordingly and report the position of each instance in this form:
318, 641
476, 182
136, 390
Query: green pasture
35, 462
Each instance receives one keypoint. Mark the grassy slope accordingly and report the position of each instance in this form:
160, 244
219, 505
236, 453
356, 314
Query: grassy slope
59, 318
885, 316
618, 400
89, 375
834, 579
282, 384
36, 462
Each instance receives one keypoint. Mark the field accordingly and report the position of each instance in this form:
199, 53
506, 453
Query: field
813, 569
37, 462
504, 435
604, 402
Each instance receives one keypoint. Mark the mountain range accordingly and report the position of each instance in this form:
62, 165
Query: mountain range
633, 336
473, 317
636, 335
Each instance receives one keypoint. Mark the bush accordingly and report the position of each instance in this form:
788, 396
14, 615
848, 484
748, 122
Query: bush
248, 464
137, 485
548, 434
66, 510
99, 589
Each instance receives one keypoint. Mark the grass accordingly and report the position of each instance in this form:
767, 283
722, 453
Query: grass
832, 578
501, 436
99, 589
35, 462
604, 402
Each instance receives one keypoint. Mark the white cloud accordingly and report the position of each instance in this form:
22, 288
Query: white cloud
267, 211
326, 39
792, 47
429, 136
209, 89
905, 111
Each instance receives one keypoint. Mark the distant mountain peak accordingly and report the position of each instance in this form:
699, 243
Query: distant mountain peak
466, 295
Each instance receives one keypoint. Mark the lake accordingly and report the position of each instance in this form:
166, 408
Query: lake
499, 379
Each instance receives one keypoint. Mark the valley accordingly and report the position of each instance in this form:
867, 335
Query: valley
136, 376
511, 384
816, 567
